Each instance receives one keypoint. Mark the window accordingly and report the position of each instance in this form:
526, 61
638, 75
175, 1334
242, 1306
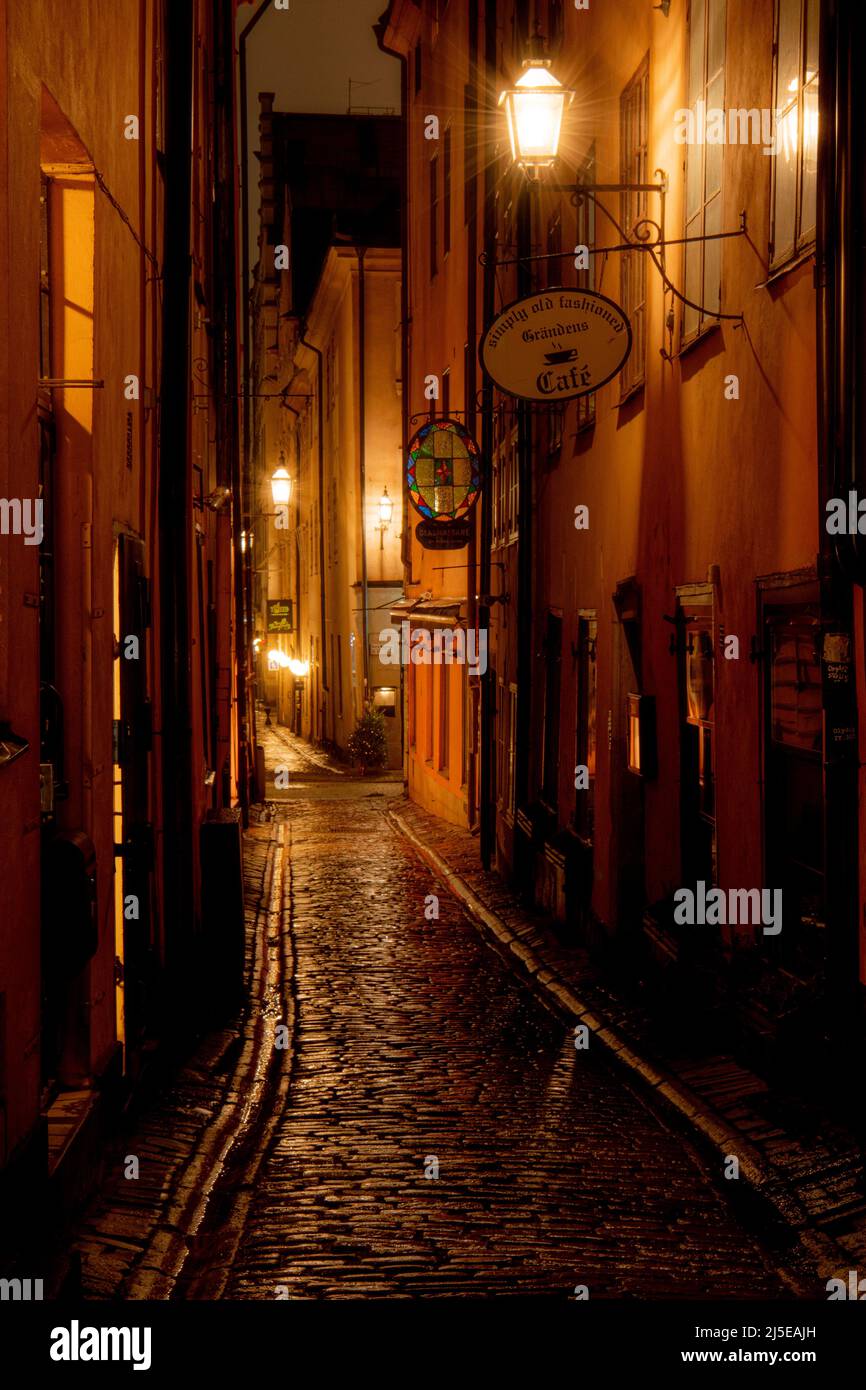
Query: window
552, 682
505, 490
464, 724
585, 743
331, 376
634, 117
470, 118
434, 215
506, 726
795, 165
794, 810
430, 683
412, 696
446, 192
444, 716
44, 280
703, 215
697, 777
585, 236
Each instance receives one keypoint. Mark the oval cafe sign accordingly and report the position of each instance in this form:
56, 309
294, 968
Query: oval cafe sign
556, 345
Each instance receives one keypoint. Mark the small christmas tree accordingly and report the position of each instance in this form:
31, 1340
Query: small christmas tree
367, 744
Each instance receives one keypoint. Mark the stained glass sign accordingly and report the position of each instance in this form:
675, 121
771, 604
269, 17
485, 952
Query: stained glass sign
443, 470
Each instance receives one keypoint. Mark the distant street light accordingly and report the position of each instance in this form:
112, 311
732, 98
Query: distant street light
281, 484
386, 511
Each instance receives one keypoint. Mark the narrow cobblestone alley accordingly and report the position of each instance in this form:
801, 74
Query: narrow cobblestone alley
430, 1129
414, 1045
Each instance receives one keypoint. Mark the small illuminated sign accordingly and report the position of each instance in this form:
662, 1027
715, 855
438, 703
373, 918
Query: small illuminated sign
280, 615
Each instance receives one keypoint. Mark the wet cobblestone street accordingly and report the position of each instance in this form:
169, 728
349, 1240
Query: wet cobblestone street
412, 1051
414, 1043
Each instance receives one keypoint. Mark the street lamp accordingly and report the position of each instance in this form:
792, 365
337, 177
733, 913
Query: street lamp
281, 484
386, 511
534, 108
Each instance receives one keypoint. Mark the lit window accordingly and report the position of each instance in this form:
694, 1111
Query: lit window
795, 165
634, 120
703, 202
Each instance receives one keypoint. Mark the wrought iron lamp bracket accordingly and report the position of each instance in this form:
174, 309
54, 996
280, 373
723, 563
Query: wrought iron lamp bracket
639, 239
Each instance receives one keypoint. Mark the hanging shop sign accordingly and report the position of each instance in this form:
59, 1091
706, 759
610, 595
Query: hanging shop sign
444, 535
280, 615
838, 698
556, 345
443, 474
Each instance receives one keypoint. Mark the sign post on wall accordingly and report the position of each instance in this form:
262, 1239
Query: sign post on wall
556, 345
280, 615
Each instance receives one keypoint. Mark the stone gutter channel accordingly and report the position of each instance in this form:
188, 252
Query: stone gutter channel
818, 1255
173, 1233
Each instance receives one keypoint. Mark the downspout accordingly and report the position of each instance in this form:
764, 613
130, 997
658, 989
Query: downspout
840, 277
245, 214
174, 507
362, 458
841, 329
487, 811
524, 523
241, 483
472, 703
405, 302
321, 451
228, 449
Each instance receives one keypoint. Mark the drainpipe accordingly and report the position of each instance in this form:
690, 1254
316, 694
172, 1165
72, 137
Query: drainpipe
405, 311
321, 433
841, 341
175, 522
362, 432
524, 523
470, 370
241, 483
841, 278
487, 830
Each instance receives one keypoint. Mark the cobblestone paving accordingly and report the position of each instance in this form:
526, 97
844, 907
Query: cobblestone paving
414, 1042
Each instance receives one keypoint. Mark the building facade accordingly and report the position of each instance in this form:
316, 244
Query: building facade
675, 646
328, 409
118, 672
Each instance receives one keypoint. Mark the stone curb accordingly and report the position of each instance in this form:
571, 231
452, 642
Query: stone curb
768, 1183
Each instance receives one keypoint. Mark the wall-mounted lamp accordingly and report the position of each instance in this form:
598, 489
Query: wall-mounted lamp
386, 511
278, 660
281, 484
217, 499
534, 108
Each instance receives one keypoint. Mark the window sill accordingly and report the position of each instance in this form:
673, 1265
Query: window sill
698, 338
792, 263
626, 397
